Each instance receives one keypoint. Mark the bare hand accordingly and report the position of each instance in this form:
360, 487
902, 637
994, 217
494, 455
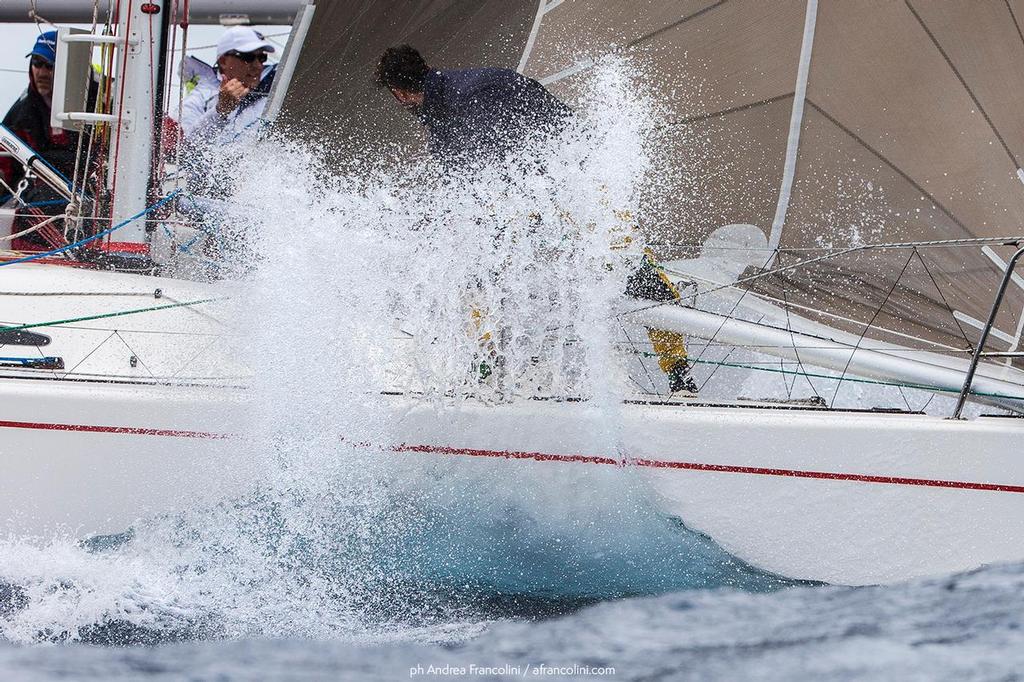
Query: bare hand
231, 92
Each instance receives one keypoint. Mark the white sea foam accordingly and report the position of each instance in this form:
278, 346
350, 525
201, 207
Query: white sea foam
393, 276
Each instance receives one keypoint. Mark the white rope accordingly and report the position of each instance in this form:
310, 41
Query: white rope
533, 37
35, 16
32, 229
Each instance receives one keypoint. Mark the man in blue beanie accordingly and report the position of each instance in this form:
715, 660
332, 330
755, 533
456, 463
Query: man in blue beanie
29, 119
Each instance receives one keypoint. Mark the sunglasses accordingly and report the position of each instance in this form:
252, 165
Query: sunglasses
249, 57
40, 63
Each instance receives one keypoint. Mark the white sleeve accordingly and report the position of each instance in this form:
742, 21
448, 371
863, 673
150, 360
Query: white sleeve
195, 116
206, 126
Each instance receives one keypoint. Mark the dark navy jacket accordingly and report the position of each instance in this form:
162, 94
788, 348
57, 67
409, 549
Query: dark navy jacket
476, 115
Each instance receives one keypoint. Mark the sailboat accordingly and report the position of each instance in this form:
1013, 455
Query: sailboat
909, 108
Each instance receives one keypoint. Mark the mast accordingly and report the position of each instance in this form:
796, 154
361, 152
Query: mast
136, 101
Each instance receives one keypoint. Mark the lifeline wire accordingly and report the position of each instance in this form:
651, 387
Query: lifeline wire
877, 382
120, 313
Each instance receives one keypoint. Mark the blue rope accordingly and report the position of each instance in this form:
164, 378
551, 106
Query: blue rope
247, 126
36, 204
51, 202
104, 233
187, 246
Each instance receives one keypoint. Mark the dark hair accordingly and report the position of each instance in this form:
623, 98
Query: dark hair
402, 67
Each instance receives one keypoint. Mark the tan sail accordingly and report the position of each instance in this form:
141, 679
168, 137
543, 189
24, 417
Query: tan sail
825, 124
333, 94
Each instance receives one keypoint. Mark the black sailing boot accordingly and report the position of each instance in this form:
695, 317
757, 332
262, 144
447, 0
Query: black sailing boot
679, 379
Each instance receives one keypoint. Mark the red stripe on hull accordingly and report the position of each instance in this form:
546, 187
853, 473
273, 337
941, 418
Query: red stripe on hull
127, 430
720, 468
567, 459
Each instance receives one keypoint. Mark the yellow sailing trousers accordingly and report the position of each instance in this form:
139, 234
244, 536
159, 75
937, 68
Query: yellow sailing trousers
669, 346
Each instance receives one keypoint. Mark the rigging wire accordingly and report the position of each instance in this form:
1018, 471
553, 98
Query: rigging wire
905, 401
632, 345
135, 355
878, 311
90, 353
120, 106
728, 316
184, 18
796, 352
949, 309
727, 356
85, 107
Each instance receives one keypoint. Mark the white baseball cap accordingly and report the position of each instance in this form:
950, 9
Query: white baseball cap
242, 39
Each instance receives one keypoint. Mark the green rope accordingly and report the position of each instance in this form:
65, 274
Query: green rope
924, 387
121, 313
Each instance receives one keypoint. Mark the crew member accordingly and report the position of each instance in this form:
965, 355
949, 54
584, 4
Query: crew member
650, 283
473, 116
29, 119
221, 111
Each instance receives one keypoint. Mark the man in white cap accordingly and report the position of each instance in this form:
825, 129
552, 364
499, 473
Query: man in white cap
221, 110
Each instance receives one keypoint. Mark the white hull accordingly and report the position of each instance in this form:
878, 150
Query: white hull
849, 498
844, 497
86, 458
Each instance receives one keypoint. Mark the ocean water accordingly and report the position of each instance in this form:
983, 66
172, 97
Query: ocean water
963, 627
361, 568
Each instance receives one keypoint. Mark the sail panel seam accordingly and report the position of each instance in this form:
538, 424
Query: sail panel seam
674, 24
892, 165
795, 123
546, 6
963, 82
732, 110
1016, 24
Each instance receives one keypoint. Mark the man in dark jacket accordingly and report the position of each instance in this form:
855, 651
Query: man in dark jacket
29, 119
472, 115
476, 116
